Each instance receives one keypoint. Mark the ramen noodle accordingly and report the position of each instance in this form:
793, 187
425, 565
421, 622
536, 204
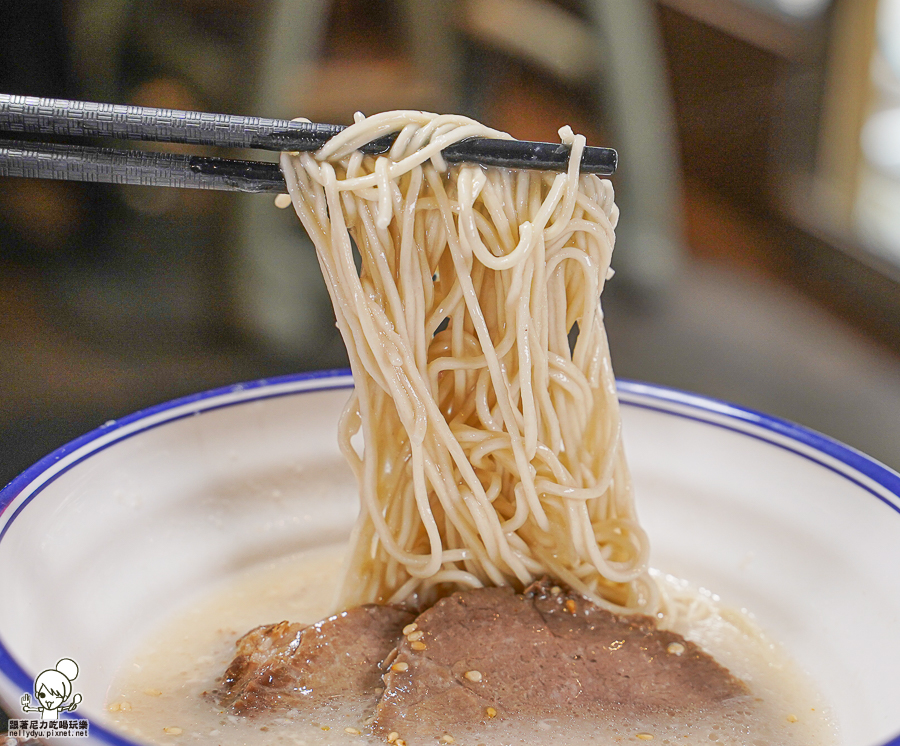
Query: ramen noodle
491, 450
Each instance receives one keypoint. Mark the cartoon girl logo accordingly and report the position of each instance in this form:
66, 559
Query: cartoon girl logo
53, 688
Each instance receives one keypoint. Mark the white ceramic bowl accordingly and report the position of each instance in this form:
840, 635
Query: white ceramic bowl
104, 537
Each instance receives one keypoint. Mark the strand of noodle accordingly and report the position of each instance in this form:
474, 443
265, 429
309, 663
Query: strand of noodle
493, 363
457, 346
385, 208
348, 425
567, 375
619, 572
401, 144
502, 348
504, 181
521, 513
470, 238
573, 581
439, 474
368, 129
495, 203
431, 528
429, 152
482, 403
343, 273
571, 182
484, 529
369, 491
522, 548
412, 283
492, 491
529, 409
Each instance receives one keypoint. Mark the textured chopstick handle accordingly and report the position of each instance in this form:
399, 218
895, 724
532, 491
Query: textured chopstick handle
49, 116
108, 166
54, 116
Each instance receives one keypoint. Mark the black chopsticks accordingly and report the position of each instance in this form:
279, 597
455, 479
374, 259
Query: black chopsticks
79, 119
137, 167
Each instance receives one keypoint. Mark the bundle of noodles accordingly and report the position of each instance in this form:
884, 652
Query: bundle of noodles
491, 449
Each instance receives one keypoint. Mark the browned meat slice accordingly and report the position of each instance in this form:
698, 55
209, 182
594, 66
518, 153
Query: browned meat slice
331, 666
479, 658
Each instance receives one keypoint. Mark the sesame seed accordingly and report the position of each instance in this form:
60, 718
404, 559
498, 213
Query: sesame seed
172, 731
675, 648
645, 736
352, 731
153, 692
393, 736
556, 590
114, 707
418, 646
410, 628
400, 667
326, 727
473, 675
282, 201
570, 606
125, 706
491, 712
446, 738
792, 718
413, 636
400, 742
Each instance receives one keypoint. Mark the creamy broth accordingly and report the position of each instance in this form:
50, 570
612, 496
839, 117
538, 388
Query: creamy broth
160, 697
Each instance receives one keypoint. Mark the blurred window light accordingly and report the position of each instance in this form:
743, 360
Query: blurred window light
801, 8
889, 34
881, 142
877, 210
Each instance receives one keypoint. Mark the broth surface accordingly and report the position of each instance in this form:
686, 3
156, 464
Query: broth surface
159, 697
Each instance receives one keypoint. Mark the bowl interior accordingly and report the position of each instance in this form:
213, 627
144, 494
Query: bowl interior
104, 539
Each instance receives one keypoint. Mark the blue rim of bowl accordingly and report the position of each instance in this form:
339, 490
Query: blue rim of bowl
864, 471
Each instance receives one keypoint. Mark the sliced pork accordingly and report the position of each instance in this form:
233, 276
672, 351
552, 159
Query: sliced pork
320, 668
479, 658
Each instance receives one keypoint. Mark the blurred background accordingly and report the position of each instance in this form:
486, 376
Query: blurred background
758, 258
